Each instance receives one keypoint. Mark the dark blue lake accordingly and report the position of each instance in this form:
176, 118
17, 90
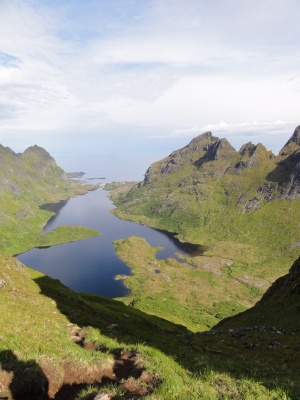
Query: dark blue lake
91, 265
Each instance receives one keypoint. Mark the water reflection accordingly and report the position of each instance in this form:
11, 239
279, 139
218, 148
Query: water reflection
55, 208
190, 249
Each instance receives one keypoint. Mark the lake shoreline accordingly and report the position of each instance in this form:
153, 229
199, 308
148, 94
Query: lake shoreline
91, 265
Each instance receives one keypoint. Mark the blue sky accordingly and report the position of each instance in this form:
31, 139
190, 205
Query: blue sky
113, 85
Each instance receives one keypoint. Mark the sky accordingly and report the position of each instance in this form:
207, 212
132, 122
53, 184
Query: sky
111, 86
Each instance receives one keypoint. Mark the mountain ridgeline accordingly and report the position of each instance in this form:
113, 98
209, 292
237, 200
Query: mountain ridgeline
28, 180
215, 159
21, 172
242, 204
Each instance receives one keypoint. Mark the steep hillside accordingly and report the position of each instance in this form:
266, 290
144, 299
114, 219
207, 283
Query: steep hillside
212, 195
57, 344
279, 306
28, 180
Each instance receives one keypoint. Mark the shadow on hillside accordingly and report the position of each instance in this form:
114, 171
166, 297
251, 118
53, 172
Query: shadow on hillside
227, 352
208, 156
28, 380
285, 169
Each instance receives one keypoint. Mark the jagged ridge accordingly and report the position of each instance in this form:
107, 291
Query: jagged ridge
283, 176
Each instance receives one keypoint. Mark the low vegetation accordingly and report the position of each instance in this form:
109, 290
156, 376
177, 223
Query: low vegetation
81, 344
197, 292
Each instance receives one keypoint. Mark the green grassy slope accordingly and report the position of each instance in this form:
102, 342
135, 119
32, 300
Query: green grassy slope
279, 306
28, 180
42, 320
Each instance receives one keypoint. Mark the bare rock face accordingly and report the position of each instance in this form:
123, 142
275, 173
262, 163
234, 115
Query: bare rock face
216, 150
191, 153
291, 188
286, 174
252, 156
202, 149
292, 144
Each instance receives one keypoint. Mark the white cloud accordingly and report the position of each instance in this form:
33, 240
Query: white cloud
89, 66
242, 130
199, 100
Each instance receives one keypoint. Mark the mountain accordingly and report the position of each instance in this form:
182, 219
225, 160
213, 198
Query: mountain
28, 180
242, 204
202, 149
34, 166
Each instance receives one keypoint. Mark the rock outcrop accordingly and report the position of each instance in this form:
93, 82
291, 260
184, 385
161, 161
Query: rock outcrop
292, 145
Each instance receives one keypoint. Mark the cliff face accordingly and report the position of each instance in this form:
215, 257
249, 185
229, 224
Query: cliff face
287, 172
292, 145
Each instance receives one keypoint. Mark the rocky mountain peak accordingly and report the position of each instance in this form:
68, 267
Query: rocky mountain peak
5, 150
293, 144
199, 143
296, 136
204, 137
202, 144
37, 152
247, 148
218, 148
200, 150
224, 146
190, 153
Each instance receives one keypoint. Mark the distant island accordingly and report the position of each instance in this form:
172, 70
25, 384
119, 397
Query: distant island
92, 179
75, 174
